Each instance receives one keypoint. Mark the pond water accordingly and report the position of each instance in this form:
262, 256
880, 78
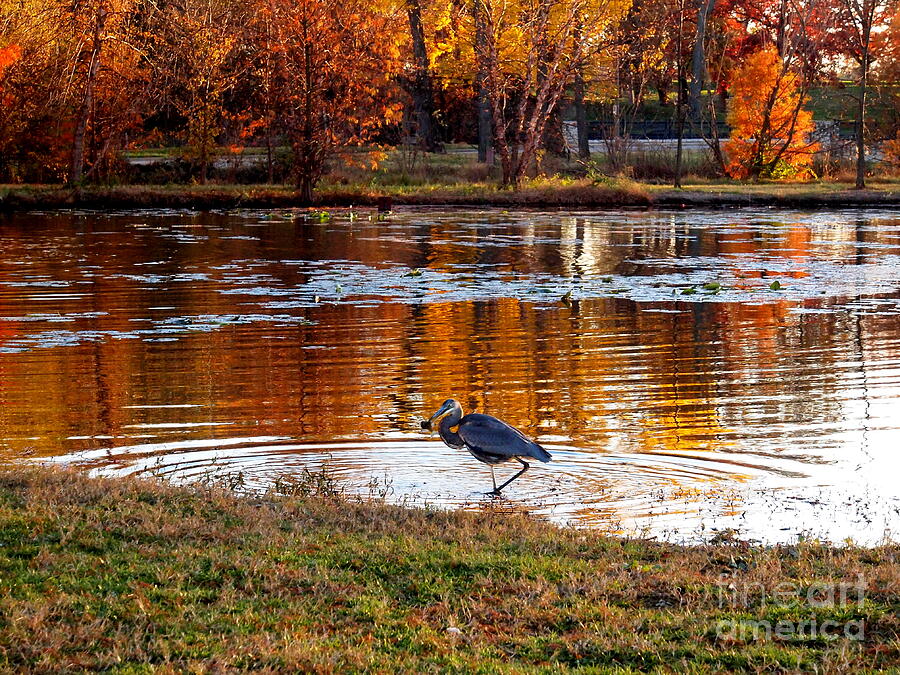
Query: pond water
692, 373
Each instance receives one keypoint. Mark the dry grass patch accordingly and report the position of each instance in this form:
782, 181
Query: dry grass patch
453, 190
136, 576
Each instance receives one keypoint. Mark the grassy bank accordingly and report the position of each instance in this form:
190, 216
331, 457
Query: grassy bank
544, 193
132, 576
540, 193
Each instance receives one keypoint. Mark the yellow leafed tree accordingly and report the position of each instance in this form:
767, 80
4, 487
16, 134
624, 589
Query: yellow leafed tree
769, 126
530, 52
525, 54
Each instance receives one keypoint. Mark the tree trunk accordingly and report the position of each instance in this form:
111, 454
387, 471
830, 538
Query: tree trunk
714, 143
508, 170
484, 125
581, 123
270, 163
662, 94
422, 92
861, 121
483, 103
698, 59
679, 106
553, 140
306, 190
76, 165
304, 150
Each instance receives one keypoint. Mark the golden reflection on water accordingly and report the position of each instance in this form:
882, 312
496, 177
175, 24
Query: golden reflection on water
661, 408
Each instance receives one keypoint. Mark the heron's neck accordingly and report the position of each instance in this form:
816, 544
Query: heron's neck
449, 437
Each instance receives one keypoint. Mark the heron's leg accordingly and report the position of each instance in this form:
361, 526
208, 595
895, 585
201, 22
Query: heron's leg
493, 479
524, 469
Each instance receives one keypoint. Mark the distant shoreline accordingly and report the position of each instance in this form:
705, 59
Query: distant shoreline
550, 194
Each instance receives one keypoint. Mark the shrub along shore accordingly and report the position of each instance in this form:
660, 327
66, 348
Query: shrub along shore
132, 576
541, 193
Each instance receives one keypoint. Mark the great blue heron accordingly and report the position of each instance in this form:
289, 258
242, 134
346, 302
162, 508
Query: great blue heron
487, 438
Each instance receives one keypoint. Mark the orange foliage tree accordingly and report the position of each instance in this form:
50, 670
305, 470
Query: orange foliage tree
770, 127
890, 152
886, 46
8, 56
335, 62
74, 82
32, 86
866, 24
125, 89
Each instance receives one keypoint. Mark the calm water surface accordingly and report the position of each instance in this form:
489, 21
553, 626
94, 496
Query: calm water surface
680, 394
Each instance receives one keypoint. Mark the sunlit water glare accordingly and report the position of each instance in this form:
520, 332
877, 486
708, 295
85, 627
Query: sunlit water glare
690, 372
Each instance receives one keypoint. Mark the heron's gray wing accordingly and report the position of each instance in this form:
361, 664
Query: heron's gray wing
488, 434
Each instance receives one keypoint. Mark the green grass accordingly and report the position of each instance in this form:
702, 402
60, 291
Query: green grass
135, 576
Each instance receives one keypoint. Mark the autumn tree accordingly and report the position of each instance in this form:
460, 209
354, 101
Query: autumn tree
698, 57
109, 79
531, 52
859, 20
649, 53
33, 90
482, 95
459, 29
886, 73
89, 20
770, 126
77, 85
419, 83
799, 30
646, 40
197, 42
336, 63
9, 54
262, 85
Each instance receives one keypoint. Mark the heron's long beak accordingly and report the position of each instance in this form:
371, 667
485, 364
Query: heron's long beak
444, 409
